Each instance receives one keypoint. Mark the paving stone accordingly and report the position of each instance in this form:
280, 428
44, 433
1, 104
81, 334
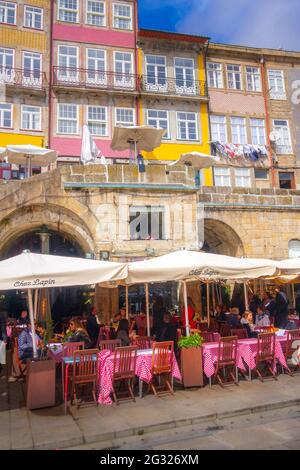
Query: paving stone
254, 437
5, 435
20, 430
201, 443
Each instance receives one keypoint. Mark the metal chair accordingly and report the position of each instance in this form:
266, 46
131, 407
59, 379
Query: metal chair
162, 361
240, 333
265, 354
142, 342
227, 352
124, 371
110, 344
85, 369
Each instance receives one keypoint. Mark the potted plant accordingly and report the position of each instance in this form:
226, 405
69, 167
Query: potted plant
191, 360
40, 378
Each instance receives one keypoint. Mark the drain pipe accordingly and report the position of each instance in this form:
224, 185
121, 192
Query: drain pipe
268, 128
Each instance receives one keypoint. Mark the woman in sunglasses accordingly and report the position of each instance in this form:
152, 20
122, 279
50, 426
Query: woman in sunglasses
78, 333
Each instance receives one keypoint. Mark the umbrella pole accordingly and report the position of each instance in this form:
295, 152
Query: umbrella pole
187, 325
147, 308
208, 304
294, 298
126, 302
36, 296
246, 296
135, 146
31, 316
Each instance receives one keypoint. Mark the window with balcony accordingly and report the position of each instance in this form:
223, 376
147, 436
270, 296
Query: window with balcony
234, 77
32, 64
222, 176
242, 177
253, 79
147, 222
218, 129
8, 12
33, 17
6, 66
286, 180
187, 128
124, 117
96, 66
276, 85
31, 118
68, 64
238, 130
159, 119
67, 119
156, 73
123, 70
6, 115
122, 16
97, 120
283, 144
95, 13
68, 11
184, 76
258, 131
215, 75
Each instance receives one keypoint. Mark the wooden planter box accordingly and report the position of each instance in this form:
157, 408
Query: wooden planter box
192, 367
40, 384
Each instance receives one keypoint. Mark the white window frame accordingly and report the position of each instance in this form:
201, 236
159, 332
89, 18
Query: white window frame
283, 148
253, 78
98, 121
239, 126
218, 124
33, 16
31, 113
70, 10
245, 179
223, 177
234, 74
125, 123
214, 75
122, 17
255, 131
95, 76
156, 86
185, 88
64, 73
196, 121
7, 74
167, 136
32, 77
277, 93
2, 111
7, 6
100, 15
124, 79
58, 118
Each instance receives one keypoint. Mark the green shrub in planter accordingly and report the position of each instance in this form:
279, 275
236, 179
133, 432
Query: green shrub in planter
193, 341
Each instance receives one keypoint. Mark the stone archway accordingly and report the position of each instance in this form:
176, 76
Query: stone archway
221, 239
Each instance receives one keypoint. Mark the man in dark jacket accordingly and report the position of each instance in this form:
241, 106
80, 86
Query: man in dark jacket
281, 309
93, 326
167, 331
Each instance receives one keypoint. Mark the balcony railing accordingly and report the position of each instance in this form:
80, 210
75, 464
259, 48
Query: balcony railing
173, 86
25, 78
89, 78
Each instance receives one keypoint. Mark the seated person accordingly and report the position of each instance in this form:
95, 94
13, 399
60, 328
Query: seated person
141, 323
24, 319
93, 325
78, 333
168, 331
25, 343
247, 323
262, 319
233, 319
123, 332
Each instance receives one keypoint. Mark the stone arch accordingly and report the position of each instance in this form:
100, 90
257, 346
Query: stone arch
56, 218
222, 239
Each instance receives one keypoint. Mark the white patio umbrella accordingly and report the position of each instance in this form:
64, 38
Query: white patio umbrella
30, 155
140, 138
29, 271
290, 266
196, 160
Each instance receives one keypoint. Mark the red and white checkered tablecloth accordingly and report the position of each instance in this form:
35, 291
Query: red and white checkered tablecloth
142, 370
246, 353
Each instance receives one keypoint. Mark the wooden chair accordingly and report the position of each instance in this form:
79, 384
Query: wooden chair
85, 369
207, 336
162, 361
240, 333
143, 342
227, 352
110, 344
292, 345
265, 354
124, 371
225, 330
68, 350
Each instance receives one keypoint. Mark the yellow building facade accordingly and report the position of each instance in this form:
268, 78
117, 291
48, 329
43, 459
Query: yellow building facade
173, 94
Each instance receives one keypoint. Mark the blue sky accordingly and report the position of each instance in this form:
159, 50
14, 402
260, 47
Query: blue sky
258, 23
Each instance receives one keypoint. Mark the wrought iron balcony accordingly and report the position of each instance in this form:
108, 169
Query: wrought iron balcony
95, 79
173, 86
25, 78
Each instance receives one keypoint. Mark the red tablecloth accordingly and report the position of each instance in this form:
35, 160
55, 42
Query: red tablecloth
142, 370
246, 353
